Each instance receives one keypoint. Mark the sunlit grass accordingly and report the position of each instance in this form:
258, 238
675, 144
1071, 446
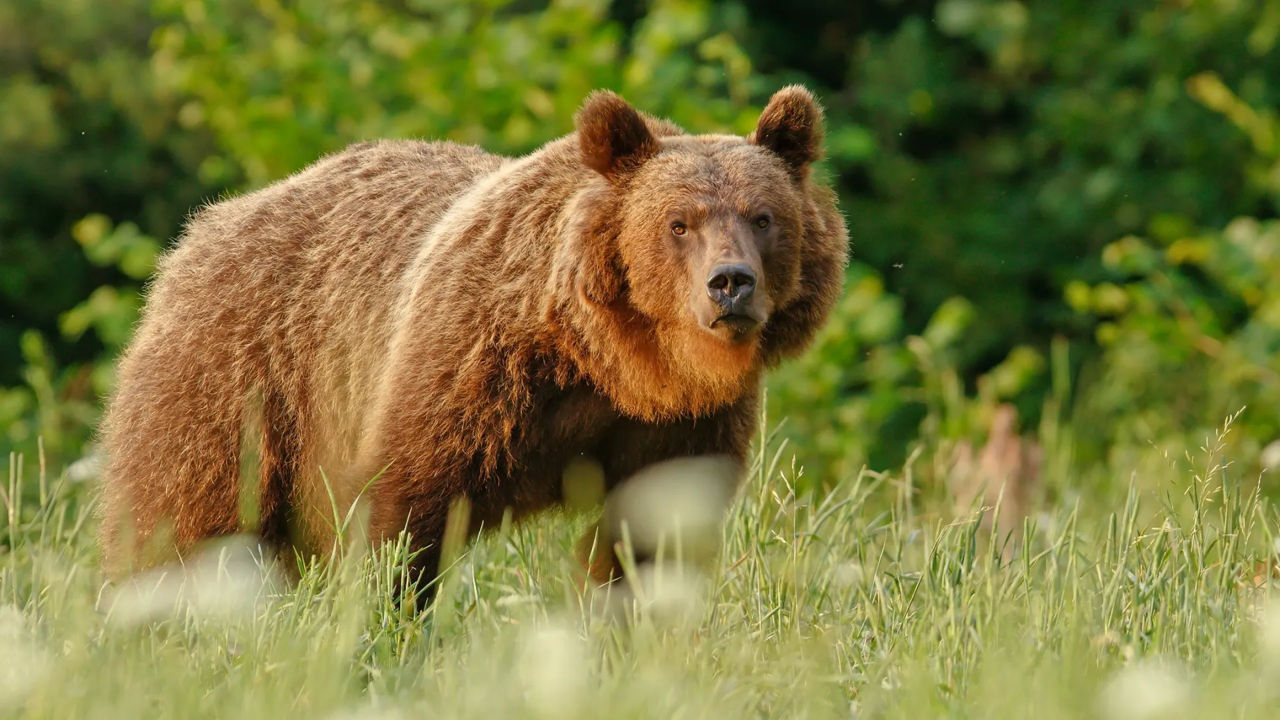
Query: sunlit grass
832, 605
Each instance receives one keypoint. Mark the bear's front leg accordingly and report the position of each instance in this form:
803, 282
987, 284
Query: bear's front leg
397, 506
650, 495
434, 504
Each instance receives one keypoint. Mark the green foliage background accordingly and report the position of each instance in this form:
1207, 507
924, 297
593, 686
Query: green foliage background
1069, 206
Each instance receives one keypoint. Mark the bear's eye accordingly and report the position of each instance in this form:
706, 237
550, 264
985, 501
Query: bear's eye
678, 229
762, 222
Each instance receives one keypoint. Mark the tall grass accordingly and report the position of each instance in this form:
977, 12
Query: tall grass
838, 604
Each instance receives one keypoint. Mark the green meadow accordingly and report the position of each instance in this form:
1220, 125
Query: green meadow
851, 602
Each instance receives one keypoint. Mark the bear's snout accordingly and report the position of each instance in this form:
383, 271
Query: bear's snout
735, 308
731, 286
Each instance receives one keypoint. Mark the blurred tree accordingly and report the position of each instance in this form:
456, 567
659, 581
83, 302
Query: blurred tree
1188, 319
990, 149
1012, 142
84, 129
278, 85
988, 153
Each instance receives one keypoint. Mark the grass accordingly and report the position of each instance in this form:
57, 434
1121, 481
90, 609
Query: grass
851, 603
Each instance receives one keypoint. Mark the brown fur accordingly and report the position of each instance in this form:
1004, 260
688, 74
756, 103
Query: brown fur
463, 324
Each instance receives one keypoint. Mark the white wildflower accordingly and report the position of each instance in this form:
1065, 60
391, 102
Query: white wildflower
1270, 457
553, 671
679, 502
847, 574
23, 663
368, 712
1269, 632
1146, 689
87, 468
225, 583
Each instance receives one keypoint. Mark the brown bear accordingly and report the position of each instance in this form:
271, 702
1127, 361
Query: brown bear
448, 323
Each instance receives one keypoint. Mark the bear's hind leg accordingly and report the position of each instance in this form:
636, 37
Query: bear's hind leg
179, 436
171, 475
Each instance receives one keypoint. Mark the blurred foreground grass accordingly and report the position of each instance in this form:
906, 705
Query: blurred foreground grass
845, 604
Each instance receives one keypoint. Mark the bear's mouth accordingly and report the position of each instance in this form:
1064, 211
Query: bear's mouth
739, 323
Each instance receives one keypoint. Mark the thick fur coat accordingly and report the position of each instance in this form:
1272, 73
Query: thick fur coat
459, 324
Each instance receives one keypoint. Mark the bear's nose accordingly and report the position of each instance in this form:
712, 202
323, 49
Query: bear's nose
731, 284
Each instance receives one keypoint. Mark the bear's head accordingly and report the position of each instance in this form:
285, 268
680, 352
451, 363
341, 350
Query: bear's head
699, 240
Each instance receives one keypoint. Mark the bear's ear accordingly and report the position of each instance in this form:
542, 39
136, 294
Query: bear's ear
791, 128
613, 137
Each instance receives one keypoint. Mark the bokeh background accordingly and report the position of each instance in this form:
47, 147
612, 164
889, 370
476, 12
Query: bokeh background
1066, 207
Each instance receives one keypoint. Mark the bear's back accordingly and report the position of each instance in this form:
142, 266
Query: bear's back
324, 248
393, 189
288, 294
